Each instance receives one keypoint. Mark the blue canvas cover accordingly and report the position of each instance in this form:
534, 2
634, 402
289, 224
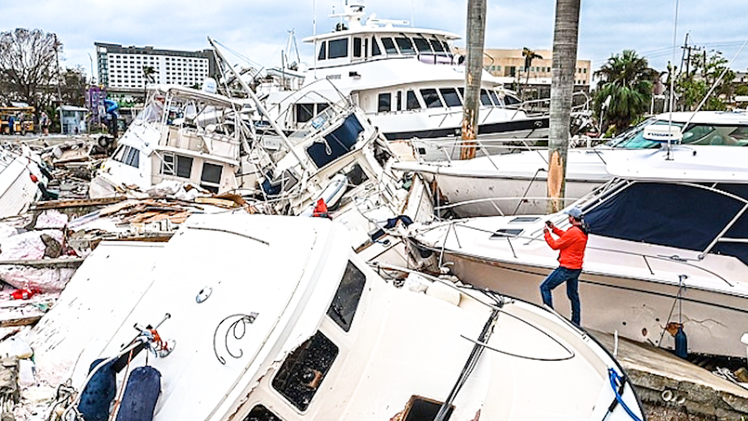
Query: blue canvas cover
340, 142
98, 394
675, 215
141, 393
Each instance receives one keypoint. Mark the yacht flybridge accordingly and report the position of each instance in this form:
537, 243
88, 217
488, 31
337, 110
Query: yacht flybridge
280, 320
668, 248
408, 81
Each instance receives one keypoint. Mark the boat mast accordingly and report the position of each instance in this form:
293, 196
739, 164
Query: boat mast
476, 34
259, 106
565, 38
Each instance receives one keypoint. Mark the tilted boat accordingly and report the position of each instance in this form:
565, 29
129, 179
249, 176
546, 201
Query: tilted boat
668, 247
19, 180
278, 319
517, 183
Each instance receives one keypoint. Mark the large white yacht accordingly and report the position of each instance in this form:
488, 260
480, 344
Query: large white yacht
668, 246
408, 81
279, 319
512, 184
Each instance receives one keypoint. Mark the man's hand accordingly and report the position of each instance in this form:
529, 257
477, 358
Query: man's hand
546, 229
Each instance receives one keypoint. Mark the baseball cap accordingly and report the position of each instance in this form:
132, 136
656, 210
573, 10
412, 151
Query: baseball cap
574, 212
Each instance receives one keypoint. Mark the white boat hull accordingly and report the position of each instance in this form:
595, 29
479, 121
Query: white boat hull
17, 190
637, 309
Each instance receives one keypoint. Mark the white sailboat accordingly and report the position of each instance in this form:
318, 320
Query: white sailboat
278, 319
667, 248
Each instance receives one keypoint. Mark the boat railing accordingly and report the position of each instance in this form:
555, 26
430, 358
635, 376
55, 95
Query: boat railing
645, 258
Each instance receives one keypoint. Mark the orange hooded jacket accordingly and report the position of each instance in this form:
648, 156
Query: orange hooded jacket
571, 245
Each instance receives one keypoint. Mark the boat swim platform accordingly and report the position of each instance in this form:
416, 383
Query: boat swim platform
665, 382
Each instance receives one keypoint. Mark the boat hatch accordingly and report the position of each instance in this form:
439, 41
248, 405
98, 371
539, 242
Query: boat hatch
345, 303
524, 219
420, 408
338, 143
507, 232
303, 371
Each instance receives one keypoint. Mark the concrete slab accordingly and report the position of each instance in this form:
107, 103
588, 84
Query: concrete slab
663, 380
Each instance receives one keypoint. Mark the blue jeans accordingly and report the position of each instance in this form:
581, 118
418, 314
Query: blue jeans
558, 277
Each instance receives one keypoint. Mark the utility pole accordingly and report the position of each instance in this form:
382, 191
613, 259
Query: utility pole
565, 39
476, 33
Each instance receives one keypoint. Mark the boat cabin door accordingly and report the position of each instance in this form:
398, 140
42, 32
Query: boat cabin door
360, 49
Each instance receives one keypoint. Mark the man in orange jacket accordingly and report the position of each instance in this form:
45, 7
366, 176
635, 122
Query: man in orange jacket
571, 245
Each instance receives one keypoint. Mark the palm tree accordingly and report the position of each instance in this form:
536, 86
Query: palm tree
628, 80
565, 37
476, 34
529, 56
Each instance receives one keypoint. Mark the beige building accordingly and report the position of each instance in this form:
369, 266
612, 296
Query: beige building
510, 66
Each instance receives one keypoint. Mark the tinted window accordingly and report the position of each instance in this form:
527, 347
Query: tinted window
462, 92
422, 45
322, 51
260, 413
511, 100
339, 48
304, 112
431, 98
211, 173
446, 46
345, 303
375, 47
484, 99
411, 102
437, 46
385, 103
399, 100
356, 47
450, 97
389, 46
303, 371
406, 47
184, 166
494, 97
133, 158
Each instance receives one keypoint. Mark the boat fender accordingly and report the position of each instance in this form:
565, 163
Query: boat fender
99, 393
141, 393
681, 343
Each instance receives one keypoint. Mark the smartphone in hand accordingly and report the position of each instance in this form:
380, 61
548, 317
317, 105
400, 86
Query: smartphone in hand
548, 223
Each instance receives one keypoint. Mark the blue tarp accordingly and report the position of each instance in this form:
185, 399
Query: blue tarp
682, 216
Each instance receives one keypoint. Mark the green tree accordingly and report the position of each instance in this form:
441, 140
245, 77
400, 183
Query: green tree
692, 87
628, 80
73, 86
148, 77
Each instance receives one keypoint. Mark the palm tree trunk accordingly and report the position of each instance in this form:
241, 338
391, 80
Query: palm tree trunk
476, 33
565, 36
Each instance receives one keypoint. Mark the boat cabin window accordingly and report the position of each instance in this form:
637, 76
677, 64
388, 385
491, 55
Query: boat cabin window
260, 413
336, 143
304, 112
184, 166
338, 48
446, 47
431, 98
422, 45
406, 46
423, 409
511, 100
450, 97
399, 100
303, 372
389, 46
128, 156
322, 51
506, 232
436, 45
385, 103
696, 134
347, 297
211, 177
494, 98
411, 101
356, 47
484, 98
375, 47
462, 92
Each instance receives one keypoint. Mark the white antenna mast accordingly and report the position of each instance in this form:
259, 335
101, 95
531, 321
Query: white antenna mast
672, 80
314, 35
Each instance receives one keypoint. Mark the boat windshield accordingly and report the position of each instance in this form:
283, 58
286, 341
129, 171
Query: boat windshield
695, 134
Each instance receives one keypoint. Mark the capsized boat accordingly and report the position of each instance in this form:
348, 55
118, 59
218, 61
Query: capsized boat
517, 184
21, 180
668, 248
239, 330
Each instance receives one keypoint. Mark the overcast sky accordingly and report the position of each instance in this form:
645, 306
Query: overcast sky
257, 30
